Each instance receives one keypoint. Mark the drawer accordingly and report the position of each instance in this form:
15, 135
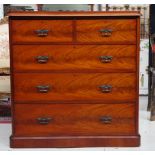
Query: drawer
74, 87
107, 31
78, 119
41, 31
80, 57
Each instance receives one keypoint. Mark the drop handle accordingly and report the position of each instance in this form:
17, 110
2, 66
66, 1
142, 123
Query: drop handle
42, 59
42, 32
106, 119
105, 59
105, 88
105, 32
43, 88
44, 120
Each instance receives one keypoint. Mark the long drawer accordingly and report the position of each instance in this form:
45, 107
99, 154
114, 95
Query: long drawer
70, 57
41, 31
78, 119
74, 86
107, 31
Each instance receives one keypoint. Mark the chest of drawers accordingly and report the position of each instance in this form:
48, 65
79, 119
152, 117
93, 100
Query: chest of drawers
74, 79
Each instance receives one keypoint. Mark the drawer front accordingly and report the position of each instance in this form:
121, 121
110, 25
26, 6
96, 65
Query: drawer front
41, 31
74, 86
108, 31
69, 57
77, 119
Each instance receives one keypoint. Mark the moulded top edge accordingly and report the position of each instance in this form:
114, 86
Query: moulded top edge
73, 14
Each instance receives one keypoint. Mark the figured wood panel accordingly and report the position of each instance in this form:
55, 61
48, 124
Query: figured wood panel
123, 31
24, 30
74, 57
74, 86
77, 119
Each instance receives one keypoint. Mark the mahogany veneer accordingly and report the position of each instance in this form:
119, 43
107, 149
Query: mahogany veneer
57, 31
74, 86
74, 58
79, 119
123, 30
74, 79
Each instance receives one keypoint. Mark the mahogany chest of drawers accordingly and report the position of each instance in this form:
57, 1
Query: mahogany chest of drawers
74, 79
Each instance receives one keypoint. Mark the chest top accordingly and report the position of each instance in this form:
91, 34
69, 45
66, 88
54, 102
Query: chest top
77, 27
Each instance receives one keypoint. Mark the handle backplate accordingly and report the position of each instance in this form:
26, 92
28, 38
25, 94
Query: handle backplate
43, 88
44, 120
105, 32
106, 119
42, 32
105, 88
105, 59
42, 59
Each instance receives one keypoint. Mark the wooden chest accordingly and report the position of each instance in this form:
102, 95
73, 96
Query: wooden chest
74, 79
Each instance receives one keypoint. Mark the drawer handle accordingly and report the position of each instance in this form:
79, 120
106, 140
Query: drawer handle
105, 32
106, 59
106, 88
44, 120
106, 119
42, 59
43, 89
42, 33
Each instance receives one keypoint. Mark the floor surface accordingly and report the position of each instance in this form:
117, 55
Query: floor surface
147, 132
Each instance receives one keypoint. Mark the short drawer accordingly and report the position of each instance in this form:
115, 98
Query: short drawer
78, 119
80, 57
74, 86
41, 31
107, 31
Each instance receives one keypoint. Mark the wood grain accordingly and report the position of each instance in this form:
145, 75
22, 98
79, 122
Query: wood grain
74, 72
74, 141
74, 57
74, 86
64, 14
123, 31
24, 30
74, 120
137, 75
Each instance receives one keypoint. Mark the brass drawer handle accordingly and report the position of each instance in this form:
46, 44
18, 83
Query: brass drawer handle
42, 33
42, 59
106, 88
43, 88
105, 59
106, 119
44, 120
105, 32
